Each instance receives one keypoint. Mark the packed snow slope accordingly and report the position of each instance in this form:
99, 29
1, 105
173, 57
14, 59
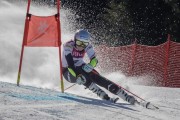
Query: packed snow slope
31, 103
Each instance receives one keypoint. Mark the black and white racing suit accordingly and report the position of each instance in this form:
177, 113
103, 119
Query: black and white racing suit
72, 62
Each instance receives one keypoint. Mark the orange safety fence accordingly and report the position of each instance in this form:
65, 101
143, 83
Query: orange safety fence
162, 62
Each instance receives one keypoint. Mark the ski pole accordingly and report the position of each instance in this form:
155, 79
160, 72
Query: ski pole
70, 86
118, 85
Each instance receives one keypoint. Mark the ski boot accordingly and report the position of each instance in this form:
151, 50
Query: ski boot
122, 94
114, 100
95, 89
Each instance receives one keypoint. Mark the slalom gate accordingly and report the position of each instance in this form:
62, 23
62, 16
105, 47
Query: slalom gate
161, 62
42, 31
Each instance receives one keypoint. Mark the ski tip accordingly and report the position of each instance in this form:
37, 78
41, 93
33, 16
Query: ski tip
147, 105
151, 106
156, 107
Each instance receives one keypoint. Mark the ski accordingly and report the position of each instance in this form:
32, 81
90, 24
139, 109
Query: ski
146, 104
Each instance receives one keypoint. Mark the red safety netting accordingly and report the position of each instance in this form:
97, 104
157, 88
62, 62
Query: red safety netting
162, 62
112, 59
150, 60
173, 68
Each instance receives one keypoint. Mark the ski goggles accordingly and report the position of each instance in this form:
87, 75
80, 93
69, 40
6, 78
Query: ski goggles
81, 43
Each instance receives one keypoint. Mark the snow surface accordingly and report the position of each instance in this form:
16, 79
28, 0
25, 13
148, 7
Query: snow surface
31, 103
40, 69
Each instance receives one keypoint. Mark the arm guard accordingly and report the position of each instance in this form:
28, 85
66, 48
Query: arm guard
93, 62
71, 67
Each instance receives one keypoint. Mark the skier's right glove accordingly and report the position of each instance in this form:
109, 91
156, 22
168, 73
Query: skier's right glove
87, 68
80, 79
90, 66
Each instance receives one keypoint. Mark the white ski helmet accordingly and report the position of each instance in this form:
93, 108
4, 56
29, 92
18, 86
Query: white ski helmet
82, 35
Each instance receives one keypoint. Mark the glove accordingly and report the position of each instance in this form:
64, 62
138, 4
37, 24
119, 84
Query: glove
80, 79
87, 68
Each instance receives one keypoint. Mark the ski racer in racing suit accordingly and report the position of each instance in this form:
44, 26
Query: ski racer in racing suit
75, 70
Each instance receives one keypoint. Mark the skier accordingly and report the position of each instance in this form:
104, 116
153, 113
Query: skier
75, 70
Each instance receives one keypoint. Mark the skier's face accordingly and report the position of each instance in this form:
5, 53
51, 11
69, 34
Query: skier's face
80, 48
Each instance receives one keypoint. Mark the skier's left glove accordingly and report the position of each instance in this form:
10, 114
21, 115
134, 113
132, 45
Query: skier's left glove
87, 68
80, 79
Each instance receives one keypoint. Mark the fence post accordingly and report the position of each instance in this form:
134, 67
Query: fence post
166, 60
133, 56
